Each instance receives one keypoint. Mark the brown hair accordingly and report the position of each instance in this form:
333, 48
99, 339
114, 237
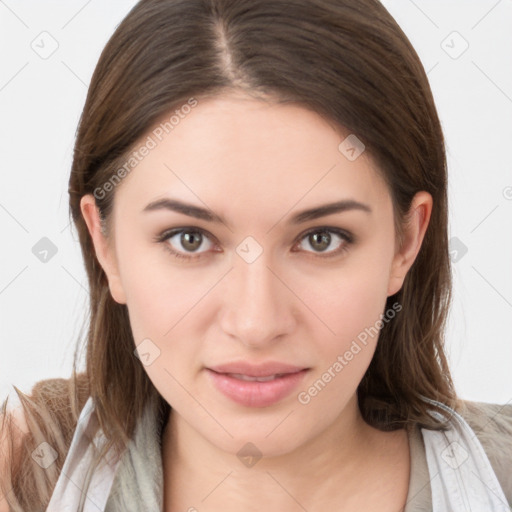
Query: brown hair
349, 62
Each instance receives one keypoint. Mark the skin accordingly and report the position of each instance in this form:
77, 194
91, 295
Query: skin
257, 164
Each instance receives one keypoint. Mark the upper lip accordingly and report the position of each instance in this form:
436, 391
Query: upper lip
256, 370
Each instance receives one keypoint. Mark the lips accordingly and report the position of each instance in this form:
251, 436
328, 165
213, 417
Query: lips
240, 376
256, 385
256, 370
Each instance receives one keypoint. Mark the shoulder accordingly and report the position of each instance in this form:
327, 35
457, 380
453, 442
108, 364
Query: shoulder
492, 424
48, 413
13, 428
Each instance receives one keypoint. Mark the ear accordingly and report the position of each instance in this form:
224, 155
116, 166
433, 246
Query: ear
103, 247
414, 230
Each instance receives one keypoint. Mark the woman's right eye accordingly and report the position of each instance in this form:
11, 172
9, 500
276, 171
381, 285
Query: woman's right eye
185, 242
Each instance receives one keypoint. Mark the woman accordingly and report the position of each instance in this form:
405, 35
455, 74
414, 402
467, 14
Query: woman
259, 190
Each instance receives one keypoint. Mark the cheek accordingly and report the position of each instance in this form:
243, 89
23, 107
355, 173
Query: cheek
164, 305
351, 306
350, 297
160, 302
158, 293
346, 340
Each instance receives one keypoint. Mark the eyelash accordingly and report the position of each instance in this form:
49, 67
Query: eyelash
347, 238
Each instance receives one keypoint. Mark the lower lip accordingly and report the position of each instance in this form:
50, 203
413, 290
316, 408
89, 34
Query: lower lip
254, 393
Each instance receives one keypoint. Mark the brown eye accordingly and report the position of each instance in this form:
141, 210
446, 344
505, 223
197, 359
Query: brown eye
321, 239
186, 242
191, 242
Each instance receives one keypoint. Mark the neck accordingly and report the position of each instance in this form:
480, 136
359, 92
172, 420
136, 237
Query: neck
328, 468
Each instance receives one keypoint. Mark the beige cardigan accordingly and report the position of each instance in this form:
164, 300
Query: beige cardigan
492, 424
138, 483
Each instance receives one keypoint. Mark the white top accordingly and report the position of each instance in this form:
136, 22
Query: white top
67, 492
461, 476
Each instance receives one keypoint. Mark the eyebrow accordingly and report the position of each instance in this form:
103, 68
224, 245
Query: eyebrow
303, 216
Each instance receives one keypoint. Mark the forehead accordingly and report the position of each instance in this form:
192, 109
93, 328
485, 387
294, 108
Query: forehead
249, 153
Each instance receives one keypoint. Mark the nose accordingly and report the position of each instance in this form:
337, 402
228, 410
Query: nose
258, 308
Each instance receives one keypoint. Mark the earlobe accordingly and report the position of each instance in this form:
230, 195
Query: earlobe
104, 250
414, 230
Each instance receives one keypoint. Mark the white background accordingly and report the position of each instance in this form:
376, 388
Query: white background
42, 305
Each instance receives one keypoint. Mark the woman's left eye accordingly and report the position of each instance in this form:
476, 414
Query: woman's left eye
190, 241
320, 239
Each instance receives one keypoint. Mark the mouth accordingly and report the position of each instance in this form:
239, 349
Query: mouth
256, 385
249, 378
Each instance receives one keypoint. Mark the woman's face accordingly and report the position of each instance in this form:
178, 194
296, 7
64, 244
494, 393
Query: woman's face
254, 319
